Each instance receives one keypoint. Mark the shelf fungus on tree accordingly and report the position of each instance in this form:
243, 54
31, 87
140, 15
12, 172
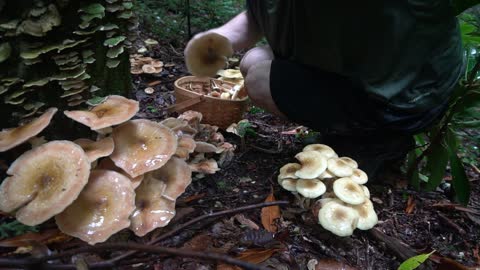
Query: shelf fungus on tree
142, 145
9, 138
44, 181
208, 54
113, 111
96, 149
152, 210
107, 164
102, 208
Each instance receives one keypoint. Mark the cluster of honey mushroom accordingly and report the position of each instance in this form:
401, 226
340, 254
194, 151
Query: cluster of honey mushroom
343, 202
130, 177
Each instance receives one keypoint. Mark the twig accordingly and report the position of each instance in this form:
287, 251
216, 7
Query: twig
198, 219
450, 223
42, 262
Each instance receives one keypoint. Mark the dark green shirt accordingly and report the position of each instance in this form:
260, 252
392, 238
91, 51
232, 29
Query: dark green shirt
406, 53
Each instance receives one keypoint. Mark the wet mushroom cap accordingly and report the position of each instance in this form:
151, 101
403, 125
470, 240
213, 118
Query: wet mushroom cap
96, 149
288, 170
176, 174
338, 218
339, 167
44, 181
102, 209
367, 216
322, 149
313, 164
310, 188
142, 145
348, 191
113, 111
152, 210
107, 164
9, 138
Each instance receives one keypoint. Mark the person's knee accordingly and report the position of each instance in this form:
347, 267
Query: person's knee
254, 56
257, 82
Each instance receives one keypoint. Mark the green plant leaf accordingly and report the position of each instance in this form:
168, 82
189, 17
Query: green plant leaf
460, 182
414, 262
437, 161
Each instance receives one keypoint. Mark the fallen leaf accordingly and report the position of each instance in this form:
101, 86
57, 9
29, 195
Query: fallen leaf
449, 264
194, 197
476, 254
45, 237
329, 264
410, 205
200, 242
246, 222
154, 83
169, 65
254, 256
414, 262
270, 214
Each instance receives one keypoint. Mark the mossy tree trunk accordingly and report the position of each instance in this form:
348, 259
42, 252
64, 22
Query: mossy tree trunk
62, 53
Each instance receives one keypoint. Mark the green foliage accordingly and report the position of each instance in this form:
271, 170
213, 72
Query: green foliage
14, 228
167, 19
440, 147
414, 262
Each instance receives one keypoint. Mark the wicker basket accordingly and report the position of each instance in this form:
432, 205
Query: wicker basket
216, 111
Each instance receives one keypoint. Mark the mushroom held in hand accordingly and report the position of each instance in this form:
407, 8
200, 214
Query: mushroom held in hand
113, 111
44, 181
207, 53
102, 209
142, 145
9, 138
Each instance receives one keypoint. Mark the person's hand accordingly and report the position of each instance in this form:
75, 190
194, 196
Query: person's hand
207, 53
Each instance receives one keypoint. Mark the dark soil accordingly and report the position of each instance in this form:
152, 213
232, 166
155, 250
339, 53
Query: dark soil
434, 222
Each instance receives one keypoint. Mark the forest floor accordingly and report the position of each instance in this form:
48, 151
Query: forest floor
410, 222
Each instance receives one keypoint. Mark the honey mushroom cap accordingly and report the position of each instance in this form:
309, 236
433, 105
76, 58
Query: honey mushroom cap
113, 111
323, 149
96, 149
102, 209
176, 174
208, 54
107, 164
310, 188
204, 147
289, 184
367, 216
313, 164
44, 181
9, 138
348, 191
288, 170
339, 167
142, 145
350, 162
207, 166
152, 209
338, 218
192, 117
366, 191
359, 176
186, 146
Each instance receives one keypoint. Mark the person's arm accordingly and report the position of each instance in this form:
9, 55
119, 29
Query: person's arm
241, 31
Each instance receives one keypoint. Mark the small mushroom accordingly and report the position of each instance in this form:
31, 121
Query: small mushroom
9, 138
310, 188
152, 210
288, 170
350, 162
44, 181
113, 111
176, 174
102, 209
192, 117
208, 54
313, 164
367, 216
96, 149
348, 191
359, 176
339, 167
203, 147
338, 218
107, 164
186, 146
207, 166
289, 184
142, 145
322, 149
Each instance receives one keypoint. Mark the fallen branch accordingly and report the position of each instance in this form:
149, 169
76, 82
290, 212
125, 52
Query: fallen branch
40, 263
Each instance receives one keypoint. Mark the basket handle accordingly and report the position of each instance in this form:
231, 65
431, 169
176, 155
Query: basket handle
184, 104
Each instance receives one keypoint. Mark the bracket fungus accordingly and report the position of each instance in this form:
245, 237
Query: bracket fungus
44, 181
102, 208
113, 111
345, 201
9, 138
142, 145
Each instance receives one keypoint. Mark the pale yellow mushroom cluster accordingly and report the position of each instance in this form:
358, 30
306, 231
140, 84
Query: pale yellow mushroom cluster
343, 203
130, 177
